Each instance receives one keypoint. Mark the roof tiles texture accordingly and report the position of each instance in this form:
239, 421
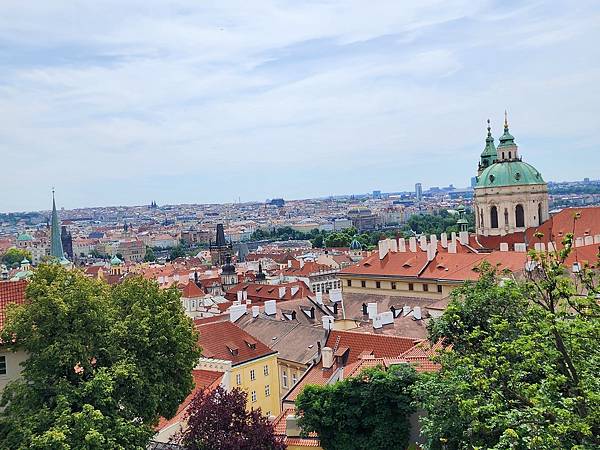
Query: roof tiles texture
11, 292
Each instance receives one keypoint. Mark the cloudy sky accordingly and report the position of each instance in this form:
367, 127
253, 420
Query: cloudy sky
122, 102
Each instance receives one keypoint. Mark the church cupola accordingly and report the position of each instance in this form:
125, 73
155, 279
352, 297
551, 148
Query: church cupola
507, 149
229, 276
489, 154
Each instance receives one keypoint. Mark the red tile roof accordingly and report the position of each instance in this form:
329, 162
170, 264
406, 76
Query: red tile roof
406, 264
191, 290
359, 344
11, 292
225, 340
259, 293
309, 268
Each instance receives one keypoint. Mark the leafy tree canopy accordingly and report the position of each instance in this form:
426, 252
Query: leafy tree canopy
13, 256
104, 363
218, 420
523, 368
149, 256
370, 410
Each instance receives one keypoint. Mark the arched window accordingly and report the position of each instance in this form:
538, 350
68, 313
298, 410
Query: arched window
519, 216
509, 155
505, 217
540, 213
494, 217
481, 218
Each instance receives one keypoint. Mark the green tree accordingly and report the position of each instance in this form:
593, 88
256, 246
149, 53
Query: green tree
369, 411
149, 256
523, 368
177, 252
13, 256
104, 363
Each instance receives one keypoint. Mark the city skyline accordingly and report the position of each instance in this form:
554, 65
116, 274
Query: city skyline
200, 104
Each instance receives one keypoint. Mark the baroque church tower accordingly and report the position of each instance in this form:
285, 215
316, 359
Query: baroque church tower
510, 195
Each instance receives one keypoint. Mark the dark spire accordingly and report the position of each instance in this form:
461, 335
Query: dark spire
56, 248
220, 241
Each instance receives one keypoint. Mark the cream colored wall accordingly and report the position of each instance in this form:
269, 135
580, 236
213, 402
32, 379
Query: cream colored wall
290, 368
508, 197
13, 366
402, 287
268, 404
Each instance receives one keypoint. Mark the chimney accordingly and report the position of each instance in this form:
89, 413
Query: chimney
401, 245
377, 322
453, 237
444, 240
406, 310
433, 239
289, 263
423, 242
412, 244
383, 248
240, 295
236, 311
431, 250
255, 311
327, 357
244, 295
270, 308
301, 263
417, 313
452, 247
464, 237
281, 292
386, 317
393, 244
372, 310
319, 297
327, 322
503, 246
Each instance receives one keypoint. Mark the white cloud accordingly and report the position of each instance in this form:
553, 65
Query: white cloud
137, 91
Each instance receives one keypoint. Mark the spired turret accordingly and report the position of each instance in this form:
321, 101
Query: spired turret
489, 154
510, 195
56, 247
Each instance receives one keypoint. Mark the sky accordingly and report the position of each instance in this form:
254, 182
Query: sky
122, 102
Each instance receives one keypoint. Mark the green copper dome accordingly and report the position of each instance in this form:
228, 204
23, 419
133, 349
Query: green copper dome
355, 245
24, 237
509, 173
115, 261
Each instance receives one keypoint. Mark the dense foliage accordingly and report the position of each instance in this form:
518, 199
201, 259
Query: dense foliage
104, 363
523, 369
369, 411
218, 420
442, 222
149, 256
13, 257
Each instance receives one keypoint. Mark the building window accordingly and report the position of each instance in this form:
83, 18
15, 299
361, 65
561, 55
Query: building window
519, 216
539, 213
349, 282
363, 284
393, 285
3, 365
267, 390
494, 217
439, 288
284, 378
425, 287
378, 284
266, 370
253, 396
411, 287
252, 375
294, 378
238, 379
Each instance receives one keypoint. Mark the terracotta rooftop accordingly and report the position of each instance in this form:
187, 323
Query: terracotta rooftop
191, 290
225, 340
259, 293
280, 428
11, 292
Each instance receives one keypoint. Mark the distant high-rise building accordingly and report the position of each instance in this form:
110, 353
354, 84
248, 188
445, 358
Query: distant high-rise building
376, 194
419, 191
279, 202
